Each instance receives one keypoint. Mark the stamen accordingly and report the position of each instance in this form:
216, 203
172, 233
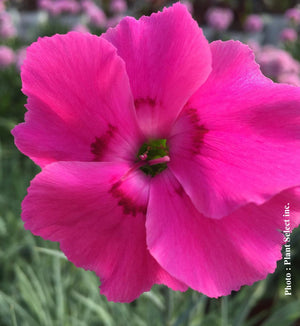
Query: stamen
160, 160
143, 157
153, 156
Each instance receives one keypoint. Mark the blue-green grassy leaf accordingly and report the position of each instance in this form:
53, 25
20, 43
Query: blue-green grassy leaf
285, 315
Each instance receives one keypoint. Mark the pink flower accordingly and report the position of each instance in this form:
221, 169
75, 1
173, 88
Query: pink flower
219, 18
288, 35
293, 14
58, 7
80, 28
253, 23
68, 6
254, 46
95, 14
7, 28
118, 6
7, 56
45, 4
274, 62
164, 159
2, 5
291, 79
113, 21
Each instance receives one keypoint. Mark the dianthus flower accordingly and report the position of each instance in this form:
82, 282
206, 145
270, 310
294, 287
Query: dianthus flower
219, 18
95, 14
118, 6
7, 56
113, 21
45, 5
164, 159
293, 14
59, 7
274, 62
254, 45
80, 28
68, 6
291, 79
2, 5
288, 35
7, 28
253, 24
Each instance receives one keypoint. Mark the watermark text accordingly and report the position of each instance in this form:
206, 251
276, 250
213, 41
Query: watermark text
287, 250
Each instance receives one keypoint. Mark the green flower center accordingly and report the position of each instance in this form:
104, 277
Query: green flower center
154, 154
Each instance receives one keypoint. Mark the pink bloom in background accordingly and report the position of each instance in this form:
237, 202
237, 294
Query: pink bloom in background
289, 78
68, 6
113, 21
80, 28
288, 35
219, 18
275, 62
2, 5
7, 56
7, 28
254, 45
58, 7
293, 14
95, 14
49, 5
118, 6
253, 24
164, 159
45, 5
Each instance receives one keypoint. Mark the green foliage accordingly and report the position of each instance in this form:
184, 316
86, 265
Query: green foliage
51, 28
12, 101
294, 49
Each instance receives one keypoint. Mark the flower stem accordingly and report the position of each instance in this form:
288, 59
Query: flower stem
168, 306
224, 311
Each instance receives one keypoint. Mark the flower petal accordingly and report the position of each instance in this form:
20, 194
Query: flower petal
216, 256
237, 140
99, 220
80, 105
238, 97
167, 59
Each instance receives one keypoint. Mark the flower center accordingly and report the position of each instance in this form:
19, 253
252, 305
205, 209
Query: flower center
153, 156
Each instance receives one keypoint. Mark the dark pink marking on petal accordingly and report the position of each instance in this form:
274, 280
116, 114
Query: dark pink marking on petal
130, 207
100, 146
179, 190
142, 101
187, 135
197, 129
